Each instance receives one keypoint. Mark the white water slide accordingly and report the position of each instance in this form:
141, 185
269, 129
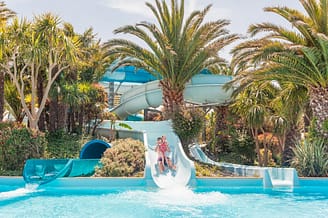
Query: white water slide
148, 131
203, 89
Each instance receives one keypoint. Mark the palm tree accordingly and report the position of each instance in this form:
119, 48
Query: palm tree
77, 83
253, 59
310, 70
33, 46
5, 15
253, 106
178, 48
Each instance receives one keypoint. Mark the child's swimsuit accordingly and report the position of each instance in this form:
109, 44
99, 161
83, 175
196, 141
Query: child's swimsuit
162, 147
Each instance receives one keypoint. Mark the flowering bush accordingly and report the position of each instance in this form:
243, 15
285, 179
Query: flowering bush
125, 158
187, 124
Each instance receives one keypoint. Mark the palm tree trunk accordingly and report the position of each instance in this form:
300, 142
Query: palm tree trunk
53, 105
172, 98
307, 117
221, 126
319, 106
2, 95
62, 115
81, 118
257, 144
42, 119
293, 136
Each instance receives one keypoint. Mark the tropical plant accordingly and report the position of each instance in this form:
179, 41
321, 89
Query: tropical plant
63, 145
311, 158
252, 105
261, 58
179, 48
75, 98
27, 46
242, 147
187, 124
125, 158
5, 15
13, 102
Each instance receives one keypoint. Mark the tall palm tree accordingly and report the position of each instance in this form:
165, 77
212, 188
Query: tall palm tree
310, 70
253, 59
5, 15
178, 48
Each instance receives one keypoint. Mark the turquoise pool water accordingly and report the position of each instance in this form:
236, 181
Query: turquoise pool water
209, 201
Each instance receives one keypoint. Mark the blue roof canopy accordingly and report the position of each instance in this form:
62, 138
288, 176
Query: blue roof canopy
128, 74
133, 75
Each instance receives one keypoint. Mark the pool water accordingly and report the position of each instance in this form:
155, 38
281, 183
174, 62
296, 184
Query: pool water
174, 202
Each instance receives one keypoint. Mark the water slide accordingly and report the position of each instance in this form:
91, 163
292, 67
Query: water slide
38, 171
43, 171
272, 176
148, 131
203, 89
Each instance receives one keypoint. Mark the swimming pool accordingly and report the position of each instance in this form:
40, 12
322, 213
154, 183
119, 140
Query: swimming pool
210, 198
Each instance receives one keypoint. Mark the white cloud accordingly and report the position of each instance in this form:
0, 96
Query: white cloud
130, 6
138, 7
215, 11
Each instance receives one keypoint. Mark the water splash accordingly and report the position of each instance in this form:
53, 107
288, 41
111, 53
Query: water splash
20, 192
176, 196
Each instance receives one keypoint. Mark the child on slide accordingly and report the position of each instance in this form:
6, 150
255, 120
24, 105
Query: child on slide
161, 155
166, 150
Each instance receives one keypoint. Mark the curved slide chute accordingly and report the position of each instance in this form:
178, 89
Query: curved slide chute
149, 131
40, 171
272, 176
185, 172
94, 149
43, 171
203, 89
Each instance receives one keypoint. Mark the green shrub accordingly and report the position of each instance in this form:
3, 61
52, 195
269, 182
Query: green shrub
243, 147
63, 145
17, 144
187, 124
311, 158
207, 170
125, 158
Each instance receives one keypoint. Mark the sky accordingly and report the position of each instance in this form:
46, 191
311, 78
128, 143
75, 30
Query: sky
107, 15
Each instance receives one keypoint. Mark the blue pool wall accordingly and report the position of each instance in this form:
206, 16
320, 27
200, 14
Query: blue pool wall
111, 182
